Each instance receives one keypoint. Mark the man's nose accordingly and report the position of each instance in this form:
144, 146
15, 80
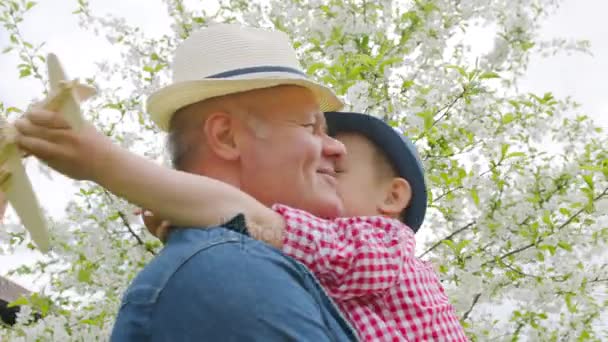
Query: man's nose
333, 147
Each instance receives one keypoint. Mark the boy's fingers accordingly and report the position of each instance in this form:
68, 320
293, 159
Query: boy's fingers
60, 136
5, 178
47, 118
3, 203
42, 149
165, 224
150, 221
28, 128
163, 231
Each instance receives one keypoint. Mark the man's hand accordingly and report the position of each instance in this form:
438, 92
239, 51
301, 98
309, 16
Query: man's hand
77, 154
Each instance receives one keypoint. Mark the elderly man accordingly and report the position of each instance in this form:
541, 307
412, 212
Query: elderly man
240, 111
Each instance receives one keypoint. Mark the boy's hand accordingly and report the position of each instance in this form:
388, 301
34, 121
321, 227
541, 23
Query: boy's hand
3, 204
156, 226
48, 136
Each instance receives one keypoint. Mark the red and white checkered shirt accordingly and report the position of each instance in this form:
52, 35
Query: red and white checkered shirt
367, 265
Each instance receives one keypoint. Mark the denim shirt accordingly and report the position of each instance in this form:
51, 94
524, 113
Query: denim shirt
218, 284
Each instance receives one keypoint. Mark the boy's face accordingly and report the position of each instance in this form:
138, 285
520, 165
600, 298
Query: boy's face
361, 189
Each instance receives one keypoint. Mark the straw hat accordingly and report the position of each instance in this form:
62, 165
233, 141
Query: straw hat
225, 59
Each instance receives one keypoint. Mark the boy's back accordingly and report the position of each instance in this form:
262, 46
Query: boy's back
367, 264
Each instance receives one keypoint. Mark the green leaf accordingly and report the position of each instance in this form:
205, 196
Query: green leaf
589, 180
516, 154
460, 70
507, 118
13, 109
407, 84
547, 218
388, 62
461, 245
427, 116
475, 196
584, 336
84, 275
313, 68
449, 243
29, 5
549, 248
527, 45
22, 300
489, 74
565, 246
25, 72
571, 306
114, 216
503, 150
540, 256
592, 168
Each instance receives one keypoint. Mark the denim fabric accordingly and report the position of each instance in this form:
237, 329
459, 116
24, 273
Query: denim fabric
218, 284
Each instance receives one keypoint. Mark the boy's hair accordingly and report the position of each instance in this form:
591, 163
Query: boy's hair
384, 170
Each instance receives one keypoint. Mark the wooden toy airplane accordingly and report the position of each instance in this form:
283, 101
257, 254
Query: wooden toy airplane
64, 96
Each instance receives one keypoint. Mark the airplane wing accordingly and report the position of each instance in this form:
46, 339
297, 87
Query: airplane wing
20, 194
64, 97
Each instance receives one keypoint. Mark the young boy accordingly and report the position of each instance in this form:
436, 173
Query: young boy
365, 261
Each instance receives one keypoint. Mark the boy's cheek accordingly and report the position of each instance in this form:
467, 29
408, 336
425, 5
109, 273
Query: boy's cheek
344, 186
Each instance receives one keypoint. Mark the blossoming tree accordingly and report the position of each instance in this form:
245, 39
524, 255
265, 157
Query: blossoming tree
518, 224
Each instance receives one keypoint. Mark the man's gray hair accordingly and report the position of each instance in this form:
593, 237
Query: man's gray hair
184, 138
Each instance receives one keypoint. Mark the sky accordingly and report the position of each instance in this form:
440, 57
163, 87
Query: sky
580, 76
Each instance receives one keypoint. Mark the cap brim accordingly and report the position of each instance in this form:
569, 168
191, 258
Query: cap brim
399, 150
162, 104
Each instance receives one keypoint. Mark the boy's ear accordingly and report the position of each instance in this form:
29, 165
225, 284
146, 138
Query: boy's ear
219, 131
397, 197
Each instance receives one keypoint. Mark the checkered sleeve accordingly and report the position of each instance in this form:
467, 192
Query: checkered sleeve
351, 257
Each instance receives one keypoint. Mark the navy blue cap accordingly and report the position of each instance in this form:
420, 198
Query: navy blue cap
399, 150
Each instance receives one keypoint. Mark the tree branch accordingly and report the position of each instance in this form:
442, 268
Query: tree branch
525, 247
124, 220
449, 237
475, 300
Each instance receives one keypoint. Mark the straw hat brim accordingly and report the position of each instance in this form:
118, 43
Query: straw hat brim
162, 104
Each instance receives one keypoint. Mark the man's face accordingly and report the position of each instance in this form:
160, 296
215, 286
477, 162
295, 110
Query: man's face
288, 158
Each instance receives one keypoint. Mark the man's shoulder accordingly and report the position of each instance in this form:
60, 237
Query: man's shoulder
213, 277
183, 244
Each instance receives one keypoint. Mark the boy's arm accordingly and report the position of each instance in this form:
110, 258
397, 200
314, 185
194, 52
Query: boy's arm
184, 199
351, 257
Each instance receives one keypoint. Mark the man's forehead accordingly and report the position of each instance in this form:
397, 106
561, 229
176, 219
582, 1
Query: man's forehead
305, 114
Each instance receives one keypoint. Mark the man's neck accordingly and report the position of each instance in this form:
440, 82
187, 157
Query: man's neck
224, 172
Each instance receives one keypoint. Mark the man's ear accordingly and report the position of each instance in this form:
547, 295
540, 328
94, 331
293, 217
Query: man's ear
397, 197
219, 130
